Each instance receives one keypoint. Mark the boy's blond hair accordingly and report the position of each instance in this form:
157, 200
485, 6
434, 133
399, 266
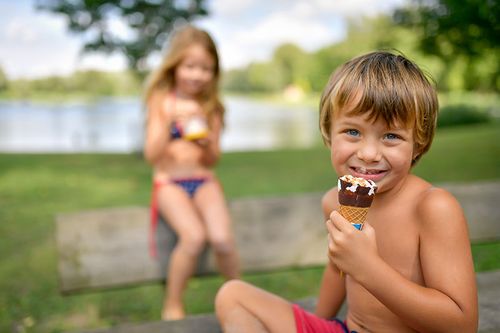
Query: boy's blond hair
163, 78
383, 85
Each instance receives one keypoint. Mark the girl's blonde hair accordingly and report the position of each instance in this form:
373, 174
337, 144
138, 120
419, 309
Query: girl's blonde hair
382, 85
162, 80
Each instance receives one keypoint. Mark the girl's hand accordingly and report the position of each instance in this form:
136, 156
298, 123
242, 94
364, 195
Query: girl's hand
349, 248
204, 142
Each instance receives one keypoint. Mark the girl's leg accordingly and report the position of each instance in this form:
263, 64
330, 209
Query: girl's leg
178, 209
215, 213
241, 307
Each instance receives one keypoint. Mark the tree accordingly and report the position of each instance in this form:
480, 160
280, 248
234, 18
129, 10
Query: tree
454, 26
149, 22
4, 80
457, 30
290, 59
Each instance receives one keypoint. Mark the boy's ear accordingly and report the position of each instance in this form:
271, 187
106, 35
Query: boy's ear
416, 153
417, 150
415, 156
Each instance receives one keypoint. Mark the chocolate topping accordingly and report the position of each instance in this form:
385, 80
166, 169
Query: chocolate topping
357, 192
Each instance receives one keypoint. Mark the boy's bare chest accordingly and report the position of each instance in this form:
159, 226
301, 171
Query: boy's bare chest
397, 232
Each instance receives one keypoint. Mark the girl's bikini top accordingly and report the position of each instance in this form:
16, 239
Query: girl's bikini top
175, 128
175, 131
193, 130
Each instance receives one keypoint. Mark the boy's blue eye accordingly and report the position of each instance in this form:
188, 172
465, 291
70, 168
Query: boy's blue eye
392, 136
352, 132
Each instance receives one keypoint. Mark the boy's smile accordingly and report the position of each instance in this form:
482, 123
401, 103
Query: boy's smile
371, 149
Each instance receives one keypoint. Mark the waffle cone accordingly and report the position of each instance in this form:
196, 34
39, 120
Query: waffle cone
195, 136
355, 215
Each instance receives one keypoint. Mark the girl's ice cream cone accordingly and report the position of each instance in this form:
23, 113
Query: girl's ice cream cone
355, 197
195, 129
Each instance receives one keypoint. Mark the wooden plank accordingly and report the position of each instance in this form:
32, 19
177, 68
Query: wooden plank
109, 247
481, 205
488, 296
104, 248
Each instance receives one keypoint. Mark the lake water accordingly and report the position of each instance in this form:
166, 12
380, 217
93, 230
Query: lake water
117, 125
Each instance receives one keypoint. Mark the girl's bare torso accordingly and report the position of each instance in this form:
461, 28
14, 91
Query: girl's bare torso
181, 158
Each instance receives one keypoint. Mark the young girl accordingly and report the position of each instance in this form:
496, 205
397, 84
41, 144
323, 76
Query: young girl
184, 122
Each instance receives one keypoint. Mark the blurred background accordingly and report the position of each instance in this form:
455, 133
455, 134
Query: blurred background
71, 72
71, 121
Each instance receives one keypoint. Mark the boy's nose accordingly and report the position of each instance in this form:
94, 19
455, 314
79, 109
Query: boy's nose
369, 152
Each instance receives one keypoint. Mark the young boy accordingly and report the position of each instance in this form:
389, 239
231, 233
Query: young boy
410, 268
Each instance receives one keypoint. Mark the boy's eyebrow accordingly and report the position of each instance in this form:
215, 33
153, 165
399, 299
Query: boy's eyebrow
347, 122
352, 121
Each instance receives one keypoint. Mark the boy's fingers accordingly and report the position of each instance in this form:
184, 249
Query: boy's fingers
330, 242
367, 228
329, 225
339, 221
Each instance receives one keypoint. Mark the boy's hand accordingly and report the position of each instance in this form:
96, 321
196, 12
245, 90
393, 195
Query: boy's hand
349, 248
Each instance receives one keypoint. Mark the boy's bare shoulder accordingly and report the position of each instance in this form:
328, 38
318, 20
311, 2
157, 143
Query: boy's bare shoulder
438, 206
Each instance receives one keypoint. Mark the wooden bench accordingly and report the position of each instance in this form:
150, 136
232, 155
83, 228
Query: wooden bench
489, 308
109, 247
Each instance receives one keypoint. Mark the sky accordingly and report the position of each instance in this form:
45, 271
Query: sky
36, 44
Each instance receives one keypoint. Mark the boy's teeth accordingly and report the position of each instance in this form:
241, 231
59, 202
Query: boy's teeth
366, 172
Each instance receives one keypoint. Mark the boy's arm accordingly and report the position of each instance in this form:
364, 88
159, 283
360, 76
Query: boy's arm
332, 288
331, 293
448, 301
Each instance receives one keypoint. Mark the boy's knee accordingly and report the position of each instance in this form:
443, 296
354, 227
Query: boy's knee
226, 294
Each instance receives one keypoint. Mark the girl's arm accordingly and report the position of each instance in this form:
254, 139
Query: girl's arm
332, 288
157, 133
448, 301
211, 145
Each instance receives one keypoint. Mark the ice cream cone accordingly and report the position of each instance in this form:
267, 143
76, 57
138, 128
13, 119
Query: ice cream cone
355, 198
196, 129
355, 215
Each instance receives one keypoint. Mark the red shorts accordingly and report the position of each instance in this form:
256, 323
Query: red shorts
306, 322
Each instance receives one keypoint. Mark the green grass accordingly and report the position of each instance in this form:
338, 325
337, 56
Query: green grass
34, 188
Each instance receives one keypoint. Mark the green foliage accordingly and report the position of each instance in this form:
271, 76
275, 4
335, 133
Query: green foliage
451, 27
236, 80
148, 22
4, 80
264, 77
291, 65
453, 115
311, 71
86, 84
463, 31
